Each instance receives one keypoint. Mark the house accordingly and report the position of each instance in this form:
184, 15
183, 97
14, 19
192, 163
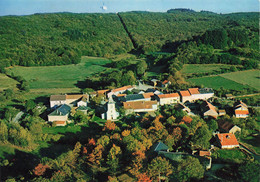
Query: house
185, 96
241, 110
82, 102
83, 109
229, 96
204, 153
159, 146
72, 100
209, 110
134, 97
119, 90
57, 100
60, 114
206, 93
154, 82
165, 83
111, 113
140, 106
227, 127
154, 91
168, 98
148, 96
221, 112
195, 94
227, 140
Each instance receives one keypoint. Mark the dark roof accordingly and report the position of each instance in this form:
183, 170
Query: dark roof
206, 90
134, 97
57, 97
173, 156
160, 147
61, 111
225, 125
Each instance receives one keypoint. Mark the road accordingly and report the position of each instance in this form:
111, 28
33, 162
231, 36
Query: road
18, 116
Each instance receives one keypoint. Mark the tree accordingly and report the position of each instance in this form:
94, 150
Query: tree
159, 167
141, 67
213, 125
189, 168
10, 113
144, 178
128, 78
8, 93
3, 132
113, 158
40, 169
29, 105
249, 171
201, 138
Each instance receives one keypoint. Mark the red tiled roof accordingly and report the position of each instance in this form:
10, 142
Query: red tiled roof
139, 104
243, 112
148, 95
161, 96
122, 88
187, 119
102, 91
194, 91
165, 81
121, 95
185, 93
227, 139
204, 153
211, 107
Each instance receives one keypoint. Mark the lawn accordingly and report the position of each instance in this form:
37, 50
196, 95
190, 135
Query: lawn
6, 149
229, 155
65, 76
252, 142
249, 77
62, 129
216, 82
203, 68
7, 82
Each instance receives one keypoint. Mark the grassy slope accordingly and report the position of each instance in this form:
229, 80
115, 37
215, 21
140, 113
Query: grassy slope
60, 76
250, 77
216, 82
6, 82
203, 68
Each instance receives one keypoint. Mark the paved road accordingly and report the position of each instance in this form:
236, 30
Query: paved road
18, 116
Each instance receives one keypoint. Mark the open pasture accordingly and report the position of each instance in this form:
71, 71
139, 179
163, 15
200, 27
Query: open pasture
65, 76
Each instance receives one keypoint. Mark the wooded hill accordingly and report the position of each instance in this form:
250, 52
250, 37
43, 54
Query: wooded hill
62, 38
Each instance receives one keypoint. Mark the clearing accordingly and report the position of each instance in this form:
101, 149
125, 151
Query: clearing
203, 68
249, 77
66, 76
7, 82
216, 82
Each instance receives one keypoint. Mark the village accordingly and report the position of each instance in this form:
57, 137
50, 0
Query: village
144, 98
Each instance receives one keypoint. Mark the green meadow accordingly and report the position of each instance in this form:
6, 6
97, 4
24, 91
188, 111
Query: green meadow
249, 77
66, 76
203, 68
216, 82
6, 82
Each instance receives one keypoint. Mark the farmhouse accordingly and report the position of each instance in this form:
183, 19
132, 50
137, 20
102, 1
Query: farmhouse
140, 106
221, 112
60, 114
165, 83
228, 127
119, 90
185, 96
206, 93
168, 98
209, 110
241, 110
71, 100
227, 140
195, 94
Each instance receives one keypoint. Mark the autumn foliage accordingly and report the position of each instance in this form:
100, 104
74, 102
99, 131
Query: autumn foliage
109, 125
144, 178
40, 169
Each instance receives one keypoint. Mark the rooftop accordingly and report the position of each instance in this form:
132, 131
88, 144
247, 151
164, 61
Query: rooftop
161, 96
58, 98
206, 90
246, 112
122, 88
75, 97
185, 93
159, 147
227, 139
194, 91
148, 95
225, 125
61, 111
133, 97
139, 105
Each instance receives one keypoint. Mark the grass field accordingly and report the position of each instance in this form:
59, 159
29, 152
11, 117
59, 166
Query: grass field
249, 77
216, 82
203, 68
232, 155
66, 76
6, 82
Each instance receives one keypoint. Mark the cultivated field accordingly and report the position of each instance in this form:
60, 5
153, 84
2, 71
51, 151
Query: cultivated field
216, 82
53, 77
6, 82
203, 68
249, 77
